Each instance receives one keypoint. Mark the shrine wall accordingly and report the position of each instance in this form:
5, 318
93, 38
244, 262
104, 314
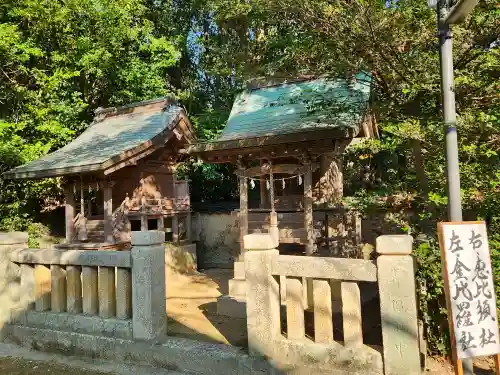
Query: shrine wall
142, 180
217, 234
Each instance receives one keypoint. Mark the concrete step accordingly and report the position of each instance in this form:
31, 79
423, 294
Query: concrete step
95, 235
95, 224
237, 288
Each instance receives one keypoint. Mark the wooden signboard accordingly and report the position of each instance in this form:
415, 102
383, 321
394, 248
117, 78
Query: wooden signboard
470, 291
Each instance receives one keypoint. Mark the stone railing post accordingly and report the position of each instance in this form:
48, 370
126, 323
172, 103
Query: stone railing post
398, 305
15, 297
149, 317
263, 295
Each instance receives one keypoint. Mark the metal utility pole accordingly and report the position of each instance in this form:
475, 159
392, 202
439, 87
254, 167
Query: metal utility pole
448, 15
449, 114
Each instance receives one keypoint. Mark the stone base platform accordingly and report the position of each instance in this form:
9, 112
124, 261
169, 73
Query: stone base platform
194, 357
233, 307
177, 354
234, 303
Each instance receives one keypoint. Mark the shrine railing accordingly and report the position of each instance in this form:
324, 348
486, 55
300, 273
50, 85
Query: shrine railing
312, 289
159, 206
119, 294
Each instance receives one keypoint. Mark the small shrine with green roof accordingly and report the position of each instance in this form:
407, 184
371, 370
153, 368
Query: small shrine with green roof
288, 138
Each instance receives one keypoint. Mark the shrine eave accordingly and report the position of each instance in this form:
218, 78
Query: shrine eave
280, 145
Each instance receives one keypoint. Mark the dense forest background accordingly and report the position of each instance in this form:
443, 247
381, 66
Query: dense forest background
62, 59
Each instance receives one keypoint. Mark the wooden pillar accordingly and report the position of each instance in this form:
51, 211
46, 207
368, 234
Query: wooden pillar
89, 207
144, 218
175, 228
188, 227
69, 207
243, 217
263, 192
331, 182
108, 212
82, 222
161, 223
308, 211
273, 218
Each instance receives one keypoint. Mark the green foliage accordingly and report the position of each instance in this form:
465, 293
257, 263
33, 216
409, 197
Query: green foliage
432, 303
59, 61
35, 232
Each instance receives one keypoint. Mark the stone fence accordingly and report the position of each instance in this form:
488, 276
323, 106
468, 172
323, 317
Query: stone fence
112, 305
284, 292
118, 294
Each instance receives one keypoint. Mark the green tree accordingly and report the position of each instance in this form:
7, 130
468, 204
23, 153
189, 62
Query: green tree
59, 62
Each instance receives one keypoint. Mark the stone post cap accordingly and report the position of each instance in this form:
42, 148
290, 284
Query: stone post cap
273, 219
260, 241
13, 238
147, 238
394, 244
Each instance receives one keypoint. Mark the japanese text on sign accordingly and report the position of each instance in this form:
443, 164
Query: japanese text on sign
471, 289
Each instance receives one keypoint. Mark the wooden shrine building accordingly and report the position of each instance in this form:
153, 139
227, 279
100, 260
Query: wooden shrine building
288, 138
119, 175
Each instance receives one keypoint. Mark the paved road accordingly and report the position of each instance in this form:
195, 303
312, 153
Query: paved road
20, 361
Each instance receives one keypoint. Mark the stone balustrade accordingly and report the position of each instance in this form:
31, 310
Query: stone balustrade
312, 289
118, 294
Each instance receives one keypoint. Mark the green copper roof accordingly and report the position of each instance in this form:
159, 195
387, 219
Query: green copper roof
103, 141
319, 104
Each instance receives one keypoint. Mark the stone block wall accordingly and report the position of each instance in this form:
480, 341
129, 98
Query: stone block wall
218, 237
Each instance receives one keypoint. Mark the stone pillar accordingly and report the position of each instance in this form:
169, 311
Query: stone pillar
308, 211
43, 287
58, 288
74, 289
14, 298
90, 299
398, 305
243, 216
106, 292
273, 227
263, 295
123, 293
28, 284
69, 208
149, 317
108, 212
